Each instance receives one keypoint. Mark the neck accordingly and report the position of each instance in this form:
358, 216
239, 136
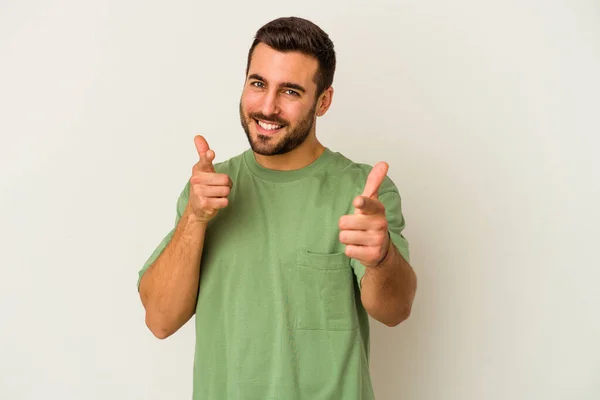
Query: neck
300, 157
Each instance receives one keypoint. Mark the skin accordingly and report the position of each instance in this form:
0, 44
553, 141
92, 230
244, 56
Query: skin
169, 288
389, 284
280, 90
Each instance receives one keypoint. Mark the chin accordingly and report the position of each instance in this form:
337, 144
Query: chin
264, 149
262, 143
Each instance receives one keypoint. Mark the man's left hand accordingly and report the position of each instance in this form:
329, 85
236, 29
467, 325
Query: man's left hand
365, 233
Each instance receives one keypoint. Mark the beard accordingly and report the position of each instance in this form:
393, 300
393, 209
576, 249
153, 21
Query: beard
292, 137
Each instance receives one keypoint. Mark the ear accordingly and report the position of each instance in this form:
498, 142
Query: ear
324, 101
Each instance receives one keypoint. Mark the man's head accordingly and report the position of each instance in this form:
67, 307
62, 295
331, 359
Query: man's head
290, 70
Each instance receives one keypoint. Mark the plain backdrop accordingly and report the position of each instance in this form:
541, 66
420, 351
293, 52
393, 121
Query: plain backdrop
486, 111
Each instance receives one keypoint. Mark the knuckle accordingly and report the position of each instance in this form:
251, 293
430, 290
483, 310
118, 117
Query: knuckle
198, 177
194, 180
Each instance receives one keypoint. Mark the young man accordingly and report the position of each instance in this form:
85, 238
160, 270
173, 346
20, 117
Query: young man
283, 251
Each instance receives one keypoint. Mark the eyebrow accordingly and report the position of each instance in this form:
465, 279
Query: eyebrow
289, 85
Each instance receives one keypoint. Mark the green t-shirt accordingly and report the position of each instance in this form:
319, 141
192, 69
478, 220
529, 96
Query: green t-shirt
279, 315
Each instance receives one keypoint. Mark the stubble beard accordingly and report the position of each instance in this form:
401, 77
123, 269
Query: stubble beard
268, 145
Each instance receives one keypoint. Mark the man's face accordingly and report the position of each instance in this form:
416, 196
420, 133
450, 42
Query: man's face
278, 104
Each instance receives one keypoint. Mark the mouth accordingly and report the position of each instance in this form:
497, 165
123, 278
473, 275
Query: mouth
267, 128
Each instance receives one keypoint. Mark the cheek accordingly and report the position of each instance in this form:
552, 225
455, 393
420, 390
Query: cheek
291, 112
250, 103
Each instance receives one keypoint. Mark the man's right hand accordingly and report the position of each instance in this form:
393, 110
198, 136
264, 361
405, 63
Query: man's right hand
208, 190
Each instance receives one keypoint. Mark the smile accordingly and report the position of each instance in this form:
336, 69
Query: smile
264, 126
269, 127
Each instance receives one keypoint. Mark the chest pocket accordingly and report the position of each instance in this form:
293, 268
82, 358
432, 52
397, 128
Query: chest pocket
326, 291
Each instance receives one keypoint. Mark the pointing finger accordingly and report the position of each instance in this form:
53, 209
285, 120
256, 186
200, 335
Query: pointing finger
375, 179
205, 154
201, 144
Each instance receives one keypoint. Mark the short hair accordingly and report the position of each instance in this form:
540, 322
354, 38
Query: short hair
298, 34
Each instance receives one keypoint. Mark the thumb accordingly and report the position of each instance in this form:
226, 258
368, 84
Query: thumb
205, 154
375, 179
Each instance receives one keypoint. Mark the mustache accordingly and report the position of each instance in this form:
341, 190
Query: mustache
273, 119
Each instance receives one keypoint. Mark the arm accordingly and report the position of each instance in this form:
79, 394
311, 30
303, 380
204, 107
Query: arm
389, 283
388, 289
169, 288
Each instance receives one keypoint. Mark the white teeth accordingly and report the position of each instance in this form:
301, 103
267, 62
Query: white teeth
268, 127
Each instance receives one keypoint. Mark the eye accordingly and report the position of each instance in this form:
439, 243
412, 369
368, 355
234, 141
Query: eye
292, 92
257, 84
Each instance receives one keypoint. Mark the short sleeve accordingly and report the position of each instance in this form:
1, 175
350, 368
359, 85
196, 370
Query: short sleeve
181, 205
396, 223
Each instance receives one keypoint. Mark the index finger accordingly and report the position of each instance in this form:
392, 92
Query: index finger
375, 179
205, 154
201, 145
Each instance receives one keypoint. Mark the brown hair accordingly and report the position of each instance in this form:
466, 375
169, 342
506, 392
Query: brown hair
298, 34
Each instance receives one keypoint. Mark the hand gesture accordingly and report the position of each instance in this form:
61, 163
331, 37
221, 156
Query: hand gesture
208, 190
365, 233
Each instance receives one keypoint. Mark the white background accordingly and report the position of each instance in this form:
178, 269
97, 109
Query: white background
487, 112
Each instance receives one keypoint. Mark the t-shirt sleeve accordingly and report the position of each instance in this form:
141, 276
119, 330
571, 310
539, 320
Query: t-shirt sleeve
396, 223
181, 204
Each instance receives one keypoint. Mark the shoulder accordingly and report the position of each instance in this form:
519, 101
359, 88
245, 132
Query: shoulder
356, 173
230, 165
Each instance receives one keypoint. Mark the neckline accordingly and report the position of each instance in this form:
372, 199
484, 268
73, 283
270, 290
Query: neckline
286, 176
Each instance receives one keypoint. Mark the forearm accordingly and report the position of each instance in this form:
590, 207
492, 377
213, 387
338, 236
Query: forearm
388, 289
169, 288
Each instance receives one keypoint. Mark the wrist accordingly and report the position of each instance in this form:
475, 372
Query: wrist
192, 218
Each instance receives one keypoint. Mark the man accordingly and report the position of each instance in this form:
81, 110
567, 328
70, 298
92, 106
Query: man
283, 251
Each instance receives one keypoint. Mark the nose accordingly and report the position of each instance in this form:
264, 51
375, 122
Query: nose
270, 104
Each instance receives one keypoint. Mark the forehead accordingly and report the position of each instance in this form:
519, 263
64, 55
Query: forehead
277, 67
